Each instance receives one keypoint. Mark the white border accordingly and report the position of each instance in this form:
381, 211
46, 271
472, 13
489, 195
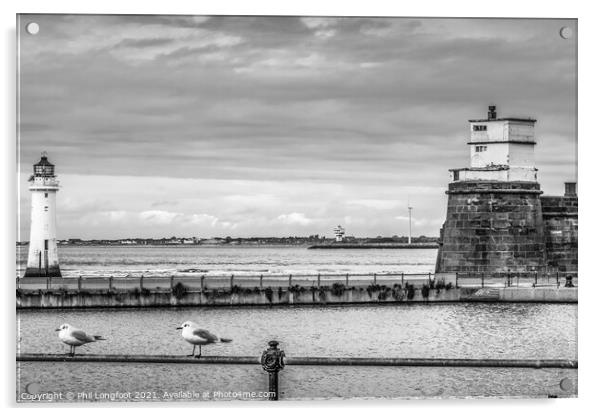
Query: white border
589, 92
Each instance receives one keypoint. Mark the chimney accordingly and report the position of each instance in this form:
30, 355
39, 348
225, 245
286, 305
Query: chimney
491, 115
570, 189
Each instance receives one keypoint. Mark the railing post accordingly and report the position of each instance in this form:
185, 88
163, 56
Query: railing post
141, 282
110, 283
535, 277
557, 279
318, 280
79, 283
261, 281
375, 278
171, 282
346, 279
482, 280
290, 280
18, 283
272, 361
48, 282
429, 279
402, 276
456, 280
518, 279
231, 282
202, 283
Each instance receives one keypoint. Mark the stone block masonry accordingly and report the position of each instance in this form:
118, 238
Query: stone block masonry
502, 227
492, 227
560, 216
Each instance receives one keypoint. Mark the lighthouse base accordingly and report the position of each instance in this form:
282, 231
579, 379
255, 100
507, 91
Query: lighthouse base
492, 227
52, 271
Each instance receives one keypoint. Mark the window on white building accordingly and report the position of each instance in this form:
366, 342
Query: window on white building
479, 149
479, 127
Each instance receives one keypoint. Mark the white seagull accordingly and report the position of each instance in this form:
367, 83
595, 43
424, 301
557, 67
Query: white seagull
75, 337
197, 336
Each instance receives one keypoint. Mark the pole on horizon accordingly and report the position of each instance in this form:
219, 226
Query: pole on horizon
410, 222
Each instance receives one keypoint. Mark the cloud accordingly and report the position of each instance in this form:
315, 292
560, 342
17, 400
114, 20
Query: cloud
319, 22
379, 204
322, 116
295, 218
158, 217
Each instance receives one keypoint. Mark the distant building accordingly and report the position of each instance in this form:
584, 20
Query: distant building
43, 260
339, 233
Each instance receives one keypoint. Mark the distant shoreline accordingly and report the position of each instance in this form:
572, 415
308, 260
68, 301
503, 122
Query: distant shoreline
398, 242
306, 246
343, 246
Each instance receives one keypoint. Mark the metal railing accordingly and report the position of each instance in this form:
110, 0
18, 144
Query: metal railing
275, 281
518, 279
273, 360
207, 281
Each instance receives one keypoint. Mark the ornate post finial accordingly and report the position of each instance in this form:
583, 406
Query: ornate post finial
272, 361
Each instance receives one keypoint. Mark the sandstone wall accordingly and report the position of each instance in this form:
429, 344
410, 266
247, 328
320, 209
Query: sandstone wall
560, 216
492, 227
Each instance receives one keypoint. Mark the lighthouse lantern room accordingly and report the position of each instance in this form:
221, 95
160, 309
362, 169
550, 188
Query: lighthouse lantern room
42, 260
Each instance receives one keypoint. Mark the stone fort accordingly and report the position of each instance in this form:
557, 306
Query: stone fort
497, 218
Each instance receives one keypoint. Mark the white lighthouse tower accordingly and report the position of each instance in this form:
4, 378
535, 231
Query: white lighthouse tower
43, 260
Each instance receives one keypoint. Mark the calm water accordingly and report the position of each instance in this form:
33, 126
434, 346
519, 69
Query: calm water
460, 330
240, 260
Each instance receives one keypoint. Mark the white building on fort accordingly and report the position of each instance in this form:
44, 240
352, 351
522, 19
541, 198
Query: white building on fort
501, 149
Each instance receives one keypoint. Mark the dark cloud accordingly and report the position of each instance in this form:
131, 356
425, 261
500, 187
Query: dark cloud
326, 100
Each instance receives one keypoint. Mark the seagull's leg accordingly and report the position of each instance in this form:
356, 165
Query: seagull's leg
199, 356
193, 349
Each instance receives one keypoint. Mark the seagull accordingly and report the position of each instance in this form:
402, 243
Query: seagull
75, 337
197, 336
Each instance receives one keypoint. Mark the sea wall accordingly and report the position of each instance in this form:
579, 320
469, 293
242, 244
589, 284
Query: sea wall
560, 216
265, 297
492, 227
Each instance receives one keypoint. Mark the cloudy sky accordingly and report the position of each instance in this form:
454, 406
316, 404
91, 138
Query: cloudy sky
275, 126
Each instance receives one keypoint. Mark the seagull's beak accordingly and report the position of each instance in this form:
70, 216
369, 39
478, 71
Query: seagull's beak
179, 327
58, 329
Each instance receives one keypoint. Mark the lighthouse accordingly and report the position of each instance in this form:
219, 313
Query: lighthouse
494, 219
43, 258
339, 233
